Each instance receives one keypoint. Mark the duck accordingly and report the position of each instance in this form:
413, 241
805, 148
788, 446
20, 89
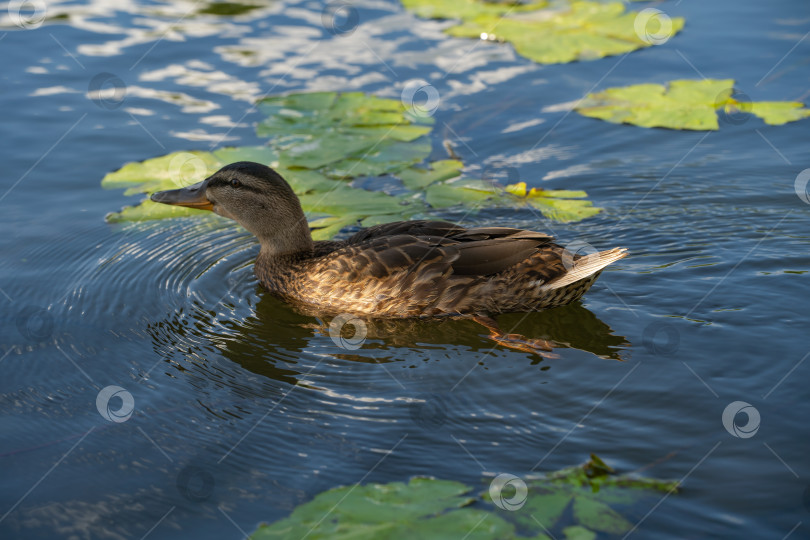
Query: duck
405, 269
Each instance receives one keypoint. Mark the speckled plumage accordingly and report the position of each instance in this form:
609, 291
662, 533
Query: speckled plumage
428, 269
395, 270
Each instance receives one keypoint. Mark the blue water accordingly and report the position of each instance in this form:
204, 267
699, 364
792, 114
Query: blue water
244, 409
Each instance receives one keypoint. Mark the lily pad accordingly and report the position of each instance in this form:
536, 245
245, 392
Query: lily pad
590, 490
435, 508
321, 140
422, 508
418, 178
682, 104
343, 135
558, 205
558, 34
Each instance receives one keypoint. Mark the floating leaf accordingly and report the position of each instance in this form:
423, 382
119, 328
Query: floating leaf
578, 532
576, 31
465, 192
349, 134
422, 508
589, 489
433, 508
387, 157
352, 201
467, 9
776, 113
683, 104
417, 178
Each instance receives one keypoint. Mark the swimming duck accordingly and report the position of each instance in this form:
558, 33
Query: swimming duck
396, 270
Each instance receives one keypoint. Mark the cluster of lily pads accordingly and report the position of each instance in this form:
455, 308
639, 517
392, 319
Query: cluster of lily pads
325, 142
553, 32
576, 503
546, 32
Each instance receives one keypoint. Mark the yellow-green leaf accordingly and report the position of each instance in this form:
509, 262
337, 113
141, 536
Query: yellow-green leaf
683, 104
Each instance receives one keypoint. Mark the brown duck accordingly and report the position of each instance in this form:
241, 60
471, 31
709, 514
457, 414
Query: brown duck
396, 270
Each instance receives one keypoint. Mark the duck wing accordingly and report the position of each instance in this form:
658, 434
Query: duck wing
412, 246
427, 268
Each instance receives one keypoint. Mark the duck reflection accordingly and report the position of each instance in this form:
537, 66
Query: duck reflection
271, 341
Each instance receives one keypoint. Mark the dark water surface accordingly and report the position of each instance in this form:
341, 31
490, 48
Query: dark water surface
244, 409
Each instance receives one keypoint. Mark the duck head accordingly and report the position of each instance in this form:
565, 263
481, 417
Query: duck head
255, 196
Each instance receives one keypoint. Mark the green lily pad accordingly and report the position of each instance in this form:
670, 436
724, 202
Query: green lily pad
589, 490
422, 508
682, 104
417, 178
558, 205
434, 508
574, 31
344, 135
467, 9
464, 192
319, 141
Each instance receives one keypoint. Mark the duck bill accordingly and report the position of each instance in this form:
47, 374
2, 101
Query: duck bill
190, 197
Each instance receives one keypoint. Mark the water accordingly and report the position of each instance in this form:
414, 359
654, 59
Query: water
244, 409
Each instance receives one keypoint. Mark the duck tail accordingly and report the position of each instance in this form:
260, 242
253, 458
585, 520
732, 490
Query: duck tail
587, 266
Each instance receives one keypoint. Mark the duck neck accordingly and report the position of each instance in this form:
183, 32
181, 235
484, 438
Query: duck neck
293, 242
280, 252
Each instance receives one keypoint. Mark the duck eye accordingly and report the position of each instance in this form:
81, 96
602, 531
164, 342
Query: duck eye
235, 183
